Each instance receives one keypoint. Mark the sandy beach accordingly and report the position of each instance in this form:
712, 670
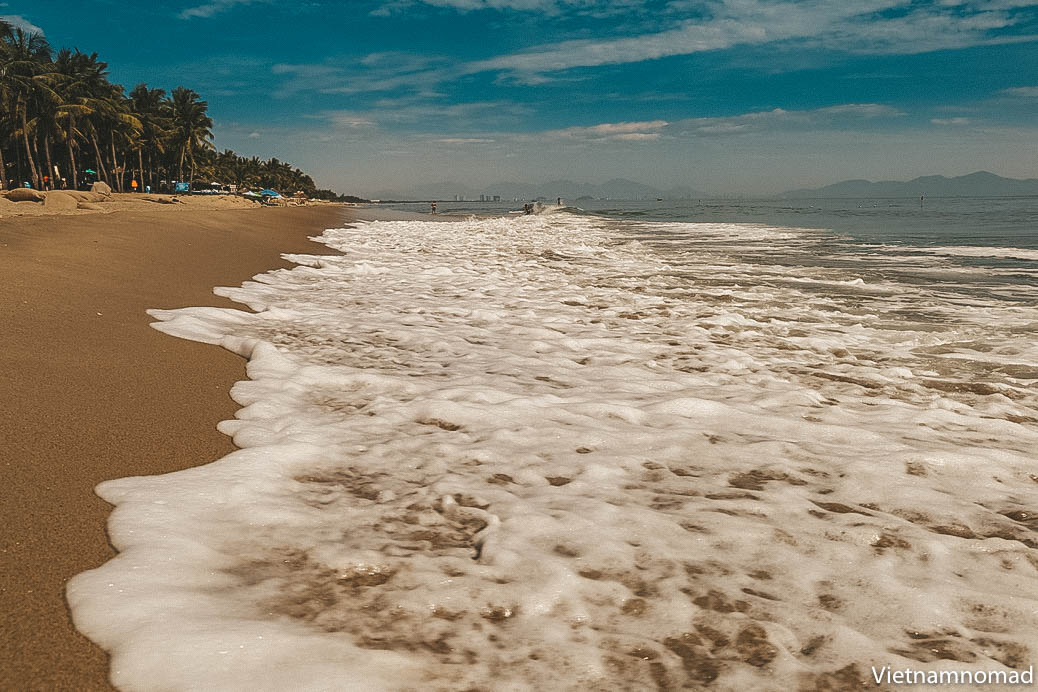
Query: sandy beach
92, 392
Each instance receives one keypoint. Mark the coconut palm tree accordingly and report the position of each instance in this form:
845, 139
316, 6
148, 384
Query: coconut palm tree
25, 59
82, 81
154, 112
65, 111
6, 34
192, 128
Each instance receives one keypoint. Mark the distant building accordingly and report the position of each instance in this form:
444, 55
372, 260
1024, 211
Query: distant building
497, 198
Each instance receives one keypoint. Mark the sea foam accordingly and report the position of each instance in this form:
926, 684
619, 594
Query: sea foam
557, 452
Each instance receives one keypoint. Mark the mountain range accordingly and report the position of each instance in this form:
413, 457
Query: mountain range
618, 188
979, 184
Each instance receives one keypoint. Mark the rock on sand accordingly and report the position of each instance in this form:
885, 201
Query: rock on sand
101, 188
60, 201
24, 194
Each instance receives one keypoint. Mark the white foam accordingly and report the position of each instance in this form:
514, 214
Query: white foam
552, 452
980, 251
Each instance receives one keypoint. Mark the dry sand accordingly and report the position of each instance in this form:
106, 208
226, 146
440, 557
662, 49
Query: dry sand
91, 392
122, 202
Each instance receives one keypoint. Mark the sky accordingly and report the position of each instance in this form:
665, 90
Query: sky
727, 96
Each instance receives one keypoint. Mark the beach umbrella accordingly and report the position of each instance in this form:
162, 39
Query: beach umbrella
91, 170
270, 193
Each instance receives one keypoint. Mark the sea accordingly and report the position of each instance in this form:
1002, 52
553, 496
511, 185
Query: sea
652, 445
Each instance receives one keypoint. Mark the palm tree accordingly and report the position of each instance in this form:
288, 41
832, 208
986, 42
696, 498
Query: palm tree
153, 111
81, 80
67, 106
6, 34
192, 128
25, 58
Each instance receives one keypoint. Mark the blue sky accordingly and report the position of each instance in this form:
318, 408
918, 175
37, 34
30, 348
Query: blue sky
728, 96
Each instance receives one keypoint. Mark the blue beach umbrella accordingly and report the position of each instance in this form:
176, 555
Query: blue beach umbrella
270, 193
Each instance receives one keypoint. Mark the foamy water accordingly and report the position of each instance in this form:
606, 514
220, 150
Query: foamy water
559, 452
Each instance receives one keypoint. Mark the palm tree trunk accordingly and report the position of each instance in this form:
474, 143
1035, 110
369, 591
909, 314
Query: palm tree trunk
72, 164
28, 151
140, 169
71, 151
100, 161
180, 167
50, 164
3, 170
116, 172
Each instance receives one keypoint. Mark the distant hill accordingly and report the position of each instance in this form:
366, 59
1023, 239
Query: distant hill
979, 184
618, 188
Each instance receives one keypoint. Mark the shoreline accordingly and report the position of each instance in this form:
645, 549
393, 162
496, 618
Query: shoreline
93, 392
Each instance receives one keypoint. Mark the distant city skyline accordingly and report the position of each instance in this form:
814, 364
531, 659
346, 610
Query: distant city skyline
730, 97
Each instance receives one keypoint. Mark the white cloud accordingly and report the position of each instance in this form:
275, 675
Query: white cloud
373, 73
1027, 92
468, 5
857, 27
637, 136
254, 135
860, 110
463, 140
347, 119
950, 121
829, 117
214, 7
642, 131
19, 22
864, 27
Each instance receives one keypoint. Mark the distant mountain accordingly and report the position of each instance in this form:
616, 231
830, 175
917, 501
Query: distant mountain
617, 188
979, 184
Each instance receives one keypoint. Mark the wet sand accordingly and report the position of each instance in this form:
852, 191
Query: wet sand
91, 392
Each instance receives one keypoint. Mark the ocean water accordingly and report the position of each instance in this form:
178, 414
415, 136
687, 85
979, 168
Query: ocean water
602, 450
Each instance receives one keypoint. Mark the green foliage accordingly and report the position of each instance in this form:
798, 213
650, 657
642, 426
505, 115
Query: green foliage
60, 115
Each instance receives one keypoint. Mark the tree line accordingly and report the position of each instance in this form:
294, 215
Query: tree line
60, 116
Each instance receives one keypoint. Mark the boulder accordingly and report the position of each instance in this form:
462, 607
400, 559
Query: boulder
101, 188
60, 201
90, 206
24, 194
77, 194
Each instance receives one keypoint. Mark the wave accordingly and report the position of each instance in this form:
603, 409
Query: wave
982, 251
543, 452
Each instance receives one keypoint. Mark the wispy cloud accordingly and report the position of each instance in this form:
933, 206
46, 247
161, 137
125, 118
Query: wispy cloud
596, 8
19, 22
215, 7
830, 117
408, 114
468, 5
868, 26
643, 131
346, 119
375, 72
464, 140
1026, 92
951, 121
681, 28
